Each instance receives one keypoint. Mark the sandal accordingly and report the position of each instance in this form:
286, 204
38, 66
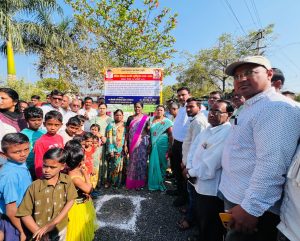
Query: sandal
183, 225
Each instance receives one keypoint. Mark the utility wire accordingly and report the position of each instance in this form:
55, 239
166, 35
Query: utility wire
256, 12
235, 16
245, 1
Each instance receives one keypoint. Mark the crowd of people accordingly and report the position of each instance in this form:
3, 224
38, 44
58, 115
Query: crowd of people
234, 160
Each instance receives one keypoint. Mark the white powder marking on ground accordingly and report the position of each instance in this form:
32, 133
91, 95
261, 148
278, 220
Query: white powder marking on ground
128, 226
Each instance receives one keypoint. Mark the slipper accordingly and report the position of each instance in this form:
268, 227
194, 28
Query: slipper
183, 225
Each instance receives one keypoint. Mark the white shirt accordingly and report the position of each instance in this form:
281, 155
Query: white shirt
197, 124
67, 114
66, 137
48, 107
181, 124
204, 160
91, 114
258, 152
290, 208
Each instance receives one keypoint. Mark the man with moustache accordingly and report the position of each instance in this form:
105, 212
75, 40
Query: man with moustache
257, 152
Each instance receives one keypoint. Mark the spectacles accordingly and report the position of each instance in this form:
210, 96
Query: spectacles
75, 105
216, 112
248, 74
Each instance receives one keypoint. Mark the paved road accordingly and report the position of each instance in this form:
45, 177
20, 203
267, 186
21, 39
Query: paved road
137, 215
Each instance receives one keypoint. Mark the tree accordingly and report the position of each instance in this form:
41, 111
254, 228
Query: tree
131, 35
25, 90
48, 84
13, 26
205, 70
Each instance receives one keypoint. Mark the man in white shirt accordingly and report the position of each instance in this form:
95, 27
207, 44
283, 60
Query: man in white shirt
257, 152
180, 127
203, 171
198, 123
75, 106
56, 98
213, 97
88, 112
66, 112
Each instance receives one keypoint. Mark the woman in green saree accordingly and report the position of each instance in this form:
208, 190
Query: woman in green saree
161, 142
115, 133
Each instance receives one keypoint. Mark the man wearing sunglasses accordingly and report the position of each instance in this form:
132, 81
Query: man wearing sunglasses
257, 152
56, 98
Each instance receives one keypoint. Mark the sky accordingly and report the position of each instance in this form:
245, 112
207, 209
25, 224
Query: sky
201, 22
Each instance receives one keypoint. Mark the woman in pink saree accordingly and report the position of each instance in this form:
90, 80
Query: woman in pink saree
138, 142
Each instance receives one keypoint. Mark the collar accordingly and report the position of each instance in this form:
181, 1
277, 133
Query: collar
215, 129
259, 96
195, 117
16, 164
61, 179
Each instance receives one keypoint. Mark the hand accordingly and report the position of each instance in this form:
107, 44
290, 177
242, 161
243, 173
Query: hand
38, 235
182, 165
125, 150
184, 173
86, 116
241, 220
111, 155
22, 236
103, 139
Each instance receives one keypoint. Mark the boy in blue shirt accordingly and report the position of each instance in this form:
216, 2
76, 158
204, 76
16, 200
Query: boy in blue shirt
14, 180
34, 118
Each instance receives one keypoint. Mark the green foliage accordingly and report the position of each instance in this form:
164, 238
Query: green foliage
25, 90
15, 28
49, 84
131, 35
204, 71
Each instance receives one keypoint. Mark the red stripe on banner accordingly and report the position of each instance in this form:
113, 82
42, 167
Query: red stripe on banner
133, 77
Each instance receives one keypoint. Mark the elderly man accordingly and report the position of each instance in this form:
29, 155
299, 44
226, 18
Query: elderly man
65, 106
204, 165
75, 106
257, 152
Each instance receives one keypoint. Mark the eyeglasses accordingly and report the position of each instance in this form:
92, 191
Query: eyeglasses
248, 74
216, 112
76, 105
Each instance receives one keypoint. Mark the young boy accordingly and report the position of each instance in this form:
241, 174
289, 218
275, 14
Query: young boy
34, 118
82, 119
53, 122
47, 201
72, 127
14, 180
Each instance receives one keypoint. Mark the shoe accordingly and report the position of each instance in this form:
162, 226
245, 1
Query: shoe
172, 192
180, 201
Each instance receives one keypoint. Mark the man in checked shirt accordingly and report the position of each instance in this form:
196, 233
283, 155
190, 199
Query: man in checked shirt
258, 152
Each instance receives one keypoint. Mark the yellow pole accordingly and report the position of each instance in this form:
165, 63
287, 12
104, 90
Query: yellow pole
11, 69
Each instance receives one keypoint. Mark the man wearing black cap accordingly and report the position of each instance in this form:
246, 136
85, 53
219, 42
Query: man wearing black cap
277, 80
257, 152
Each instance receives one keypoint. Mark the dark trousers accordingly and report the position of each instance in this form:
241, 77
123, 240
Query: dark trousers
176, 160
266, 230
207, 215
190, 216
281, 237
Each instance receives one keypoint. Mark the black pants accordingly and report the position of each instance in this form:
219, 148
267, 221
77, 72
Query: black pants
266, 227
176, 160
207, 215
